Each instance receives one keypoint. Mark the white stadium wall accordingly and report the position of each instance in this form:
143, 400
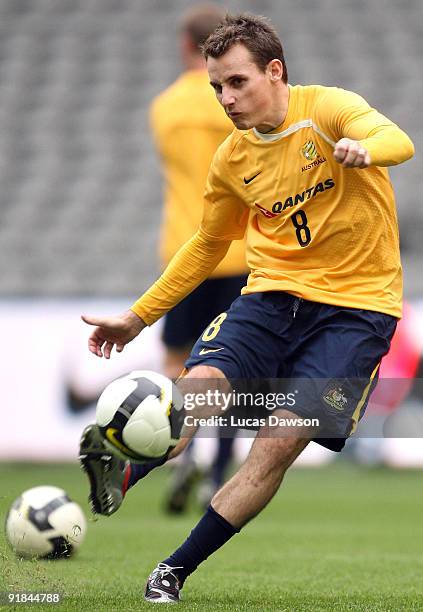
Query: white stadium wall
45, 358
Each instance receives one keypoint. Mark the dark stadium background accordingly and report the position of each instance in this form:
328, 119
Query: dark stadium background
80, 188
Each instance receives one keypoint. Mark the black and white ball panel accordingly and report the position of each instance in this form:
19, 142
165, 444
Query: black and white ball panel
141, 415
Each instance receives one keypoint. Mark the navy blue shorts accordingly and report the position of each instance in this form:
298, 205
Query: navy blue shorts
328, 356
184, 323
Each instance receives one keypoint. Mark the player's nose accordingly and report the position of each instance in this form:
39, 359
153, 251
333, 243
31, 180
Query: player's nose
228, 99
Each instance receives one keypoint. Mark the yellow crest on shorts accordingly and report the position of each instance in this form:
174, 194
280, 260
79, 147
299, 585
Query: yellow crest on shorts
335, 398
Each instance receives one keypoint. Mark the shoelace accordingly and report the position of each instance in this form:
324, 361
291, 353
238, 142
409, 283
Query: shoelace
164, 568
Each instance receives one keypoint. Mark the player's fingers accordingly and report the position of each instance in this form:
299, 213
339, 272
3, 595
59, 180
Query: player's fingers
100, 348
107, 350
119, 347
352, 155
361, 159
366, 161
96, 342
88, 319
341, 149
98, 321
340, 152
94, 347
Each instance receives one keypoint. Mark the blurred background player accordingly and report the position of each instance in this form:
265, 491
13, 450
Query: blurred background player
188, 125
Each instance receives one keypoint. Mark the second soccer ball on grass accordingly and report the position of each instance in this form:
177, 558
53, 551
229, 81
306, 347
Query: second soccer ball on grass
44, 523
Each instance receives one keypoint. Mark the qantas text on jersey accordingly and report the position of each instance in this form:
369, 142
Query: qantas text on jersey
311, 192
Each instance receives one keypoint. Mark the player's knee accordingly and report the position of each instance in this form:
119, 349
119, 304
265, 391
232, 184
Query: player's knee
204, 389
275, 455
203, 379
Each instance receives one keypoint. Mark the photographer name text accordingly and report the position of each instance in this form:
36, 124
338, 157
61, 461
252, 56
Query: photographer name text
232, 421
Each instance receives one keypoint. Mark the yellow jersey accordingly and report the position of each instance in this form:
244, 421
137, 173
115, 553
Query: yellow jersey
314, 229
188, 125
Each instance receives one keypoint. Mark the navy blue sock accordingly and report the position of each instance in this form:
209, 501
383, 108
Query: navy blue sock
207, 536
140, 470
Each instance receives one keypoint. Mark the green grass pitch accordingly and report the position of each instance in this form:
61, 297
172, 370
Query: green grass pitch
335, 538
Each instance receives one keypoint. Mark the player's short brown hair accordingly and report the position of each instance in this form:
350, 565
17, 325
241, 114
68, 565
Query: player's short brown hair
200, 21
255, 32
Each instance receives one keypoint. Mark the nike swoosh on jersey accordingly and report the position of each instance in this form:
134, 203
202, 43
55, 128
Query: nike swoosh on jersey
205, 351
246, 181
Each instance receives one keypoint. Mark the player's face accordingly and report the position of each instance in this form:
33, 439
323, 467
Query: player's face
247, 94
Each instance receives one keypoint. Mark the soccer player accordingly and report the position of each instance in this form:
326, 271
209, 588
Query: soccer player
305, 173
188, 125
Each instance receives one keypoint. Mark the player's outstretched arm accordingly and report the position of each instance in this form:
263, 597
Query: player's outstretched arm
112, 332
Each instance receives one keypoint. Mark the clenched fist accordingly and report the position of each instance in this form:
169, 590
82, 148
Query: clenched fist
351, 154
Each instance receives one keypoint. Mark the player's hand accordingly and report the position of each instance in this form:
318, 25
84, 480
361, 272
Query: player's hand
113, 332
351, 154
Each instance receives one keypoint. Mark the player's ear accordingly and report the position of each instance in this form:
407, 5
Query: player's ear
275, 70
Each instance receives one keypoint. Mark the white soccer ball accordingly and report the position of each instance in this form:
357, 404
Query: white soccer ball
140, 415
43, 522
